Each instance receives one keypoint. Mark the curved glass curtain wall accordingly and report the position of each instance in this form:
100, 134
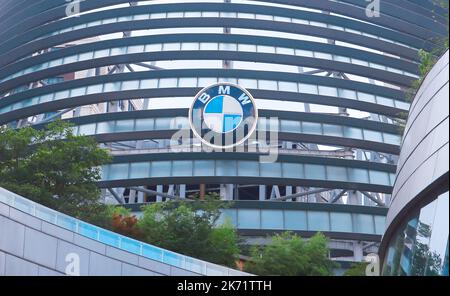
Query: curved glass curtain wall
298, 220
274, 85
281, 125
185, 46
420, 246
217, 14
385, 37
245, 168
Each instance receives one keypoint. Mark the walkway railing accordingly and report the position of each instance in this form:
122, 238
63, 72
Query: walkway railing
113, 239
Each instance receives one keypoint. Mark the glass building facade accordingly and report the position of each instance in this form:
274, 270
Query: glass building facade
416, 238
326, 77
420, 247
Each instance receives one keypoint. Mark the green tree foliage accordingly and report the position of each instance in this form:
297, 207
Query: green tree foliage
53, 167
357, 269
289, 255
189, 228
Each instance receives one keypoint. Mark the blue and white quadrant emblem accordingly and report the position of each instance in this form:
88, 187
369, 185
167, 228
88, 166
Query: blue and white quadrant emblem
223, 115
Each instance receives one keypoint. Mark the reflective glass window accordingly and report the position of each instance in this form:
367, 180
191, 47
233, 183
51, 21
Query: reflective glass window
380, 224
249, 219
248, 168
94, 89
312, 128
341, 222
378, 177
268, 84
348, 94
366, 97
295, 220
87, 129
161, 168
272, 219
358, 175
290, 126
163, 123
226, 168
318, 221
204, 168
139, 170
364, 223
327, 91
375, 136
149, 83
332, 130
293, 170
352, 132
314, 171
130, 85
335, 173
124, 125
308, 88
145, 124
112, 86
105, 127
271, 169
188, 82
182, 168
288, 86
118, 171
168, 82
248, 83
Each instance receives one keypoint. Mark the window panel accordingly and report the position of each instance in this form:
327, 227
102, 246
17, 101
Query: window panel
293, 170
336, 173
341, 222
130, 85
249, 219
272, 219
318, 221
182, 168
315, 171
290, 126
87, 129
105, 127
311, 128
364, 223
358, 175
267, 84
124, 125
353, 132
271, 169
308, 88
118, 171
226, 168
288, 86
145, 124
327, 91
204, 168
139, 170
332, 130
375, 136
295, 220
248, 168
378, 177
161, 168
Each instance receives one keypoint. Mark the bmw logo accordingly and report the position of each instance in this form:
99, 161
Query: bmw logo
223, 115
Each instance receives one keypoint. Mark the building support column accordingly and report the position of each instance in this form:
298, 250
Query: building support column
262, 192
159, 188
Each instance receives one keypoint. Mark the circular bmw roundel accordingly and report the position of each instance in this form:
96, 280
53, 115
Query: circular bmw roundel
223, 115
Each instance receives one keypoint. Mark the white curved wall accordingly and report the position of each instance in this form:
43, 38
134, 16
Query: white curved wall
30, 246
424, 155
